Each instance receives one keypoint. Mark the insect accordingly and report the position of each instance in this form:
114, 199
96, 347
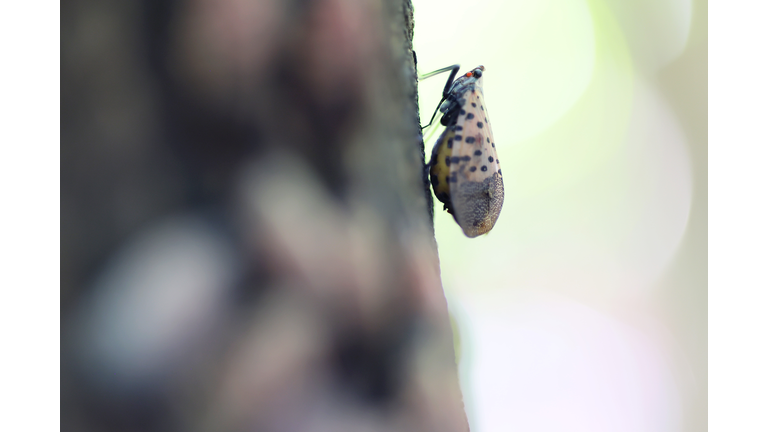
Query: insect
464, 168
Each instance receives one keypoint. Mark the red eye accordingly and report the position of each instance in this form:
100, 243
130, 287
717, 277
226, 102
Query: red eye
468, 74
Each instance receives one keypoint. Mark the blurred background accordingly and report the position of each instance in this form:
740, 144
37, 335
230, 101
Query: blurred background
585, 309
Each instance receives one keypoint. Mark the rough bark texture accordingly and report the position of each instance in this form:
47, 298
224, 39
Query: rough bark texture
247, 238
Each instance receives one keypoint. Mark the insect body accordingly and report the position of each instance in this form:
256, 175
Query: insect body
464, 168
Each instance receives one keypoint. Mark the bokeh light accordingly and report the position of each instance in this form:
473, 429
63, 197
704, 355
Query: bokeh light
562, 322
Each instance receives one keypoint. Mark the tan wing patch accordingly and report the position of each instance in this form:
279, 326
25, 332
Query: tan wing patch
475, 147
477, 193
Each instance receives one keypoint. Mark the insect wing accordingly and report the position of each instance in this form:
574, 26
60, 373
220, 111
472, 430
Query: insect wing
477, 193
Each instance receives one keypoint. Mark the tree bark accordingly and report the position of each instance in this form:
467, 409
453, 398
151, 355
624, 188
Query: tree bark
247, 237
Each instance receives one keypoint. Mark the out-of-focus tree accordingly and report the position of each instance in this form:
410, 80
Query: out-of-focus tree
247, 240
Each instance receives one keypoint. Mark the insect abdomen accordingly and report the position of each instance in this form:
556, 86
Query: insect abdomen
440, 171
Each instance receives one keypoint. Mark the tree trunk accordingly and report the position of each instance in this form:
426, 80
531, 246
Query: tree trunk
247, 237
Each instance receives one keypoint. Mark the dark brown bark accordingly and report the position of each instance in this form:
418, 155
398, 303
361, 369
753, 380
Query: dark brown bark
247, 237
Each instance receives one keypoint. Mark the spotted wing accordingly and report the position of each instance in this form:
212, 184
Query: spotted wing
476, 186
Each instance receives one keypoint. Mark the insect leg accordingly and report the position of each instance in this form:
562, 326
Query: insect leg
454, 70
433, 114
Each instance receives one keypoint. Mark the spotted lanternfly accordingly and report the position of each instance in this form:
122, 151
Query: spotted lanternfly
464, 168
